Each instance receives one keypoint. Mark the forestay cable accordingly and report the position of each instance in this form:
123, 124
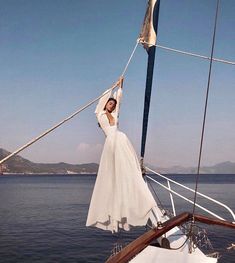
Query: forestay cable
130, 58
119, 82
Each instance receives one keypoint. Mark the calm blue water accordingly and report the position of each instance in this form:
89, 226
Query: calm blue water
42, 218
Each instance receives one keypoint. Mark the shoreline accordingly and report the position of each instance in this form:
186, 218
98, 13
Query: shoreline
94, 174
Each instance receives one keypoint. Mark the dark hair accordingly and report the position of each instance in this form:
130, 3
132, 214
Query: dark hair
110, 99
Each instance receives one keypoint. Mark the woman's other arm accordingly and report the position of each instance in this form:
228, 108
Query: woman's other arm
118, 96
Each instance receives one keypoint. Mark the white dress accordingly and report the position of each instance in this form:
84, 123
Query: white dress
120, 198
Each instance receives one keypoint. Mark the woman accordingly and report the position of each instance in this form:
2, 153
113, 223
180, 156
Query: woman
120, 197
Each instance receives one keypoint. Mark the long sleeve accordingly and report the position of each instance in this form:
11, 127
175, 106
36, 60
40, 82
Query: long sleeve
118, 96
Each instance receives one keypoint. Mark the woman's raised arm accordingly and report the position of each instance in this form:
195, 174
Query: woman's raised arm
118, 96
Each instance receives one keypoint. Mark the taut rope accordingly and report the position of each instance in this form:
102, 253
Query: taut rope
57, 125
118, 83
130, 58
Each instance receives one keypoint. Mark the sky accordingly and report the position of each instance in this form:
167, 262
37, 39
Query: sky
57, 55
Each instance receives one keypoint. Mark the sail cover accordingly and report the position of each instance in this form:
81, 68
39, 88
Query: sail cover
148, 34
148, 37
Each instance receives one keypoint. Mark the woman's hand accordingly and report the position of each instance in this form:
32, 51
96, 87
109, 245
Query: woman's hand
120, 82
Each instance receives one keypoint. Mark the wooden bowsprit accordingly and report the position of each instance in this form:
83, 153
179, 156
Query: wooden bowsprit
139, 244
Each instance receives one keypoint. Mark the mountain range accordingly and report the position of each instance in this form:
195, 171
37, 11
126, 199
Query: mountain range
20, 165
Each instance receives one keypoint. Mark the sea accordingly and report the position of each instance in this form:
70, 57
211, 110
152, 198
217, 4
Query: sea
42, 217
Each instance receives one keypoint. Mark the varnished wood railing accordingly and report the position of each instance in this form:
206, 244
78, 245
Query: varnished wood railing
136, 246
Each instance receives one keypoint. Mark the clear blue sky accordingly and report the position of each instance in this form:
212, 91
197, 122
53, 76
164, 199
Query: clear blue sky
58, 55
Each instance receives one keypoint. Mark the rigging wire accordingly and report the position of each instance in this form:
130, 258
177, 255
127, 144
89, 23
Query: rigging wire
55, 126
190, 54
119, 82
130, 58
203, 131
155, 193
205, 107
177, 248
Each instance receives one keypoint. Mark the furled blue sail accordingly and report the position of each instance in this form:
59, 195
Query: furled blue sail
148, 37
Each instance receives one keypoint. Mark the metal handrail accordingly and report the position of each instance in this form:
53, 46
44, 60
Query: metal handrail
192, 190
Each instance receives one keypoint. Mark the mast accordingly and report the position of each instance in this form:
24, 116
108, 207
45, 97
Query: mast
148, 38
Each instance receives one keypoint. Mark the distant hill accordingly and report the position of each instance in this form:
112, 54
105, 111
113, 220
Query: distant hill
220, 168
17, 164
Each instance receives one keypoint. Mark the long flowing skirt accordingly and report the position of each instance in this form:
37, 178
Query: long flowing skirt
120, 198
